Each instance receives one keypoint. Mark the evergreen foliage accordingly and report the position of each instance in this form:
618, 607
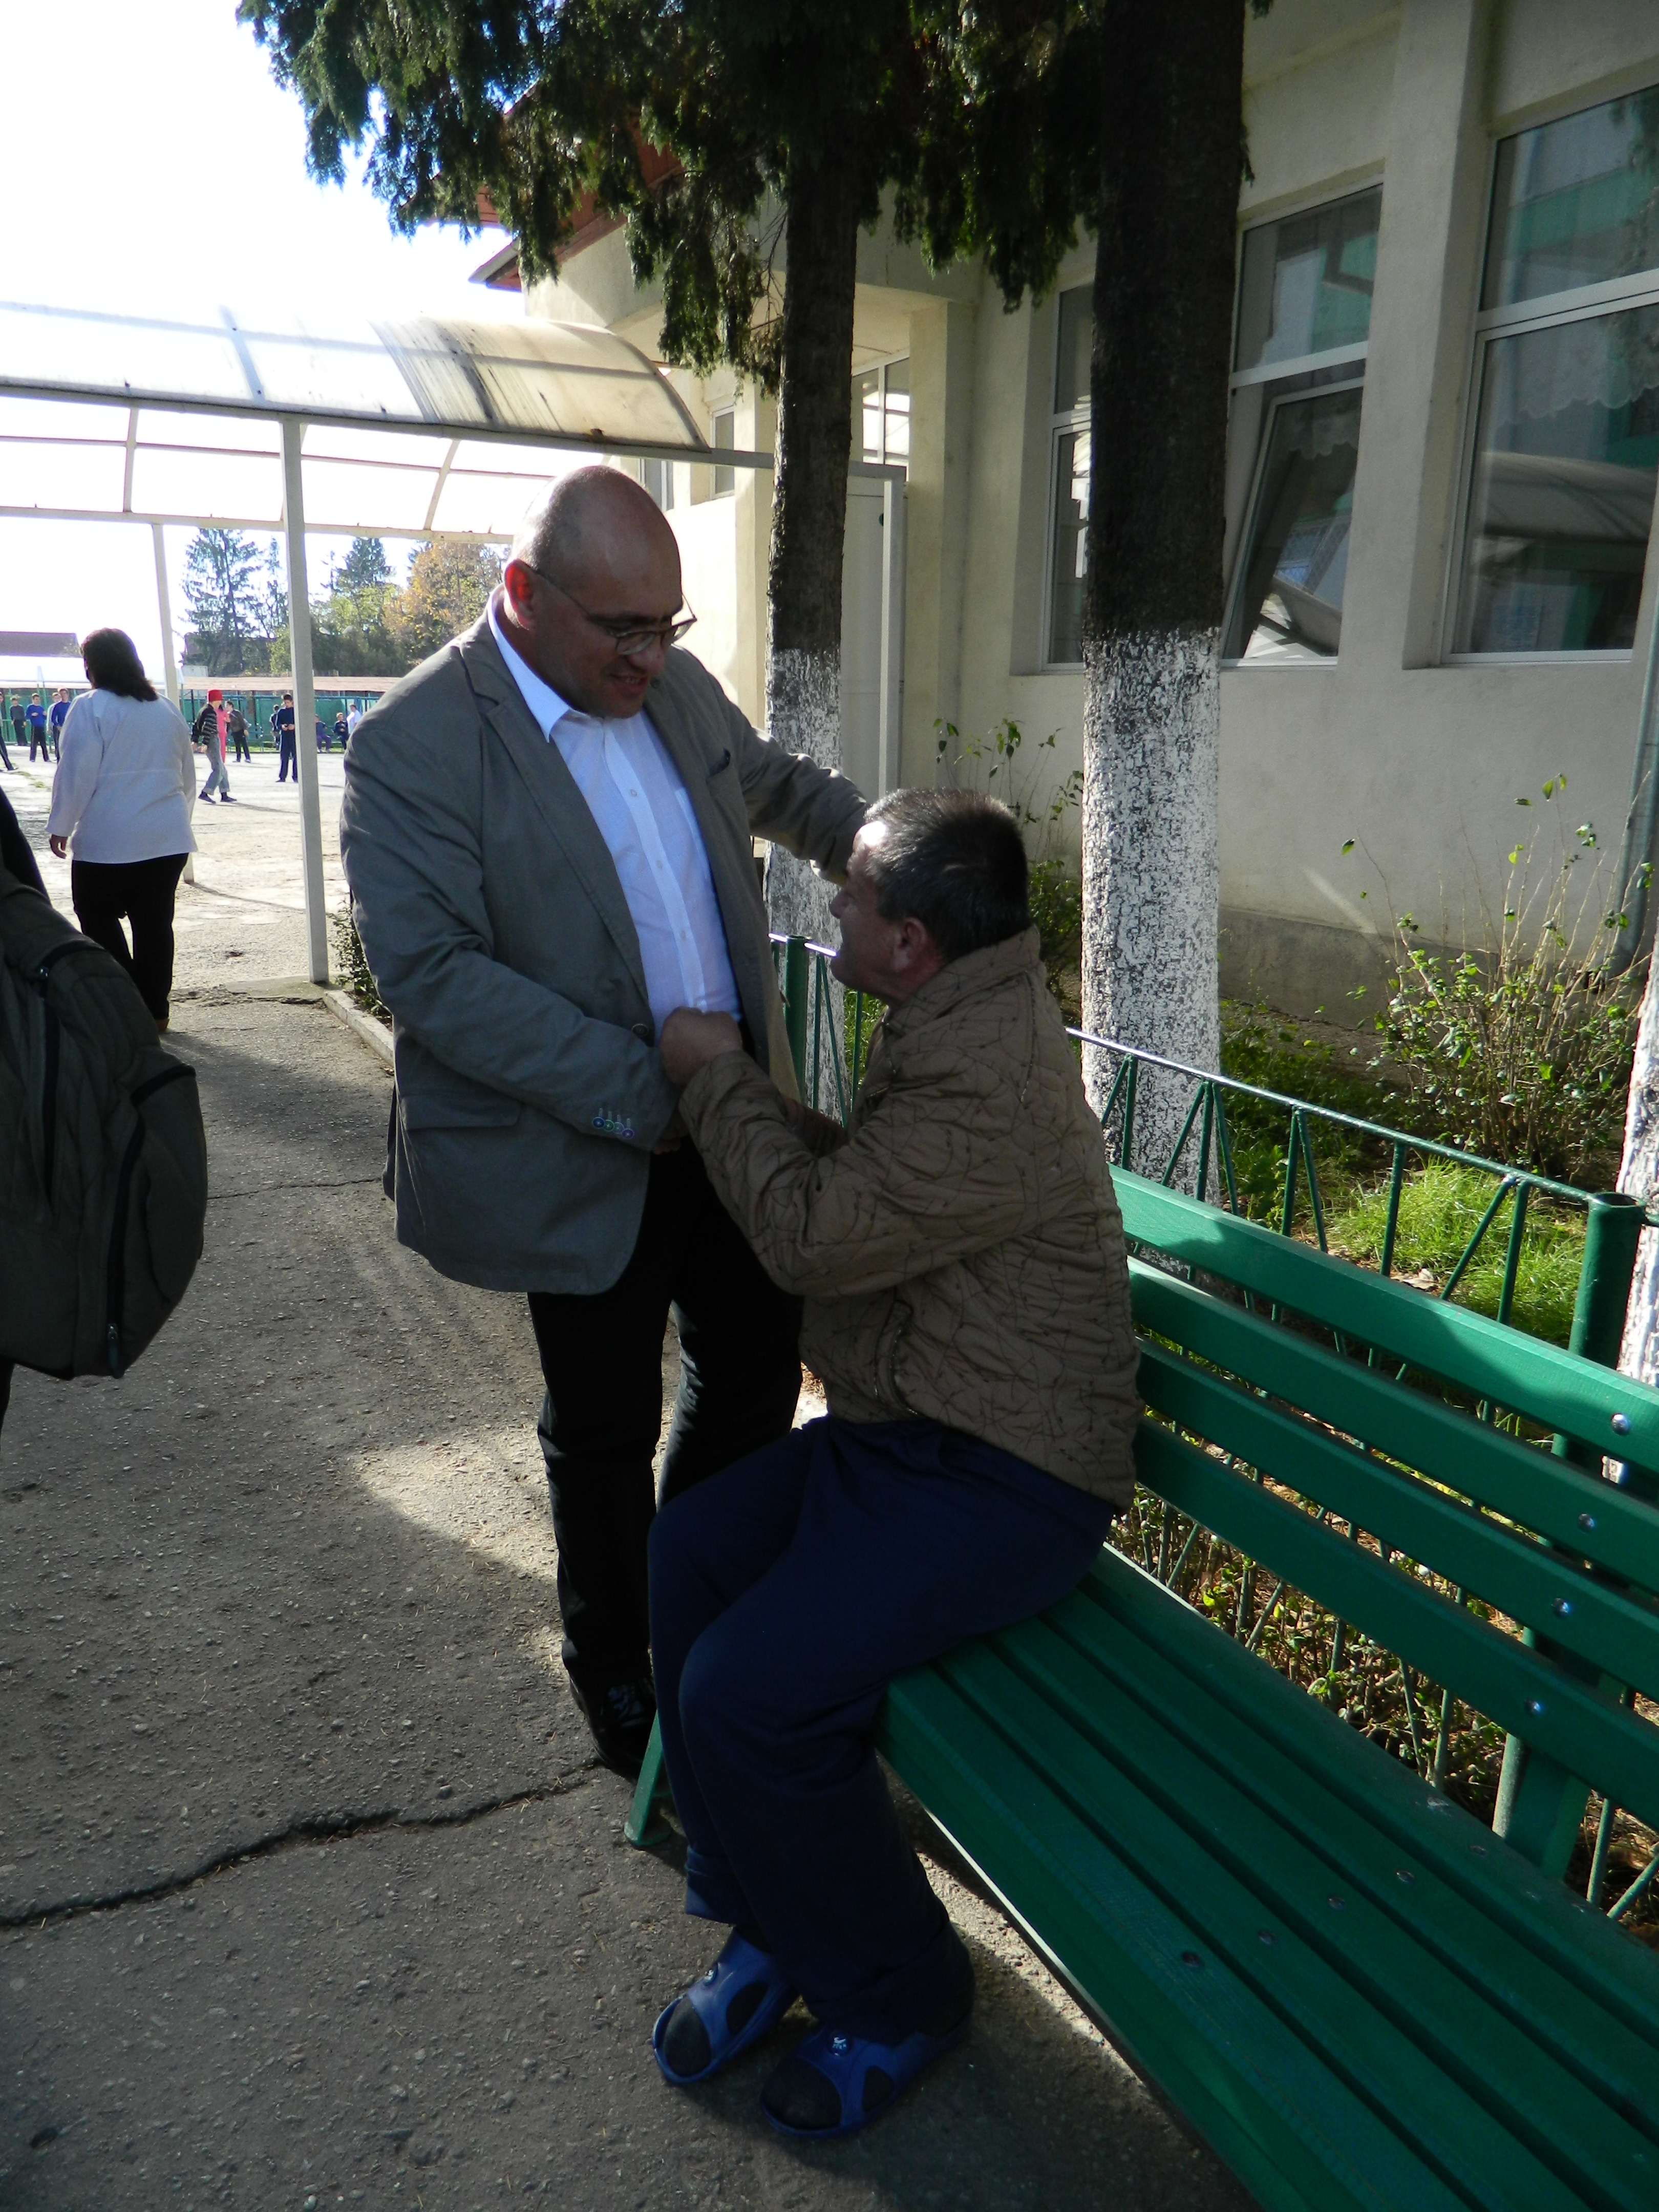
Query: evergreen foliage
223, 594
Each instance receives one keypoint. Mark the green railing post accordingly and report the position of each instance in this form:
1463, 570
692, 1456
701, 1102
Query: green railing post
1541, 1805
796, 975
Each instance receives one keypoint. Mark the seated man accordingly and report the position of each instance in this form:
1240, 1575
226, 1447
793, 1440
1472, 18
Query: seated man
967, 1304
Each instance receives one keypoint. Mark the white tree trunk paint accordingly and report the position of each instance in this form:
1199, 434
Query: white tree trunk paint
803, 715
1152, 721
1639, 1177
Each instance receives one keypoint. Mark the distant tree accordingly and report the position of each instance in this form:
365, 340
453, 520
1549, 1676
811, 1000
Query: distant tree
221, 591
449, 587
785, 120
352, 632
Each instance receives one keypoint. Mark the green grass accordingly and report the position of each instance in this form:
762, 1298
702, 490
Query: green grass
1440, 1209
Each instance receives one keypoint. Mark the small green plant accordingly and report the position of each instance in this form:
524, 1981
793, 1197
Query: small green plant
1000, 763
1519, 1046
356, 977
1441, 1206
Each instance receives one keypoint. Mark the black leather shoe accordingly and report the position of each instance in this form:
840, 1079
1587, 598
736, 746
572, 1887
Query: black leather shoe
620, 1714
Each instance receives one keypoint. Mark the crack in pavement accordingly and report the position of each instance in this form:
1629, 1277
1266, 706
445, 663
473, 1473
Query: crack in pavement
258, 1189
318, 1828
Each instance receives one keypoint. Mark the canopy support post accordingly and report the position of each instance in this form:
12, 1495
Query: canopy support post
305, 698
164, 604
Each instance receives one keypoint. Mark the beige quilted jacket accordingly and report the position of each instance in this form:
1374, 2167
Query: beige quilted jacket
960, 1249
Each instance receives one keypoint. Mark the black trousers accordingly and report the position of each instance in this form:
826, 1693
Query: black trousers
601, 1361
143, 891
241, 746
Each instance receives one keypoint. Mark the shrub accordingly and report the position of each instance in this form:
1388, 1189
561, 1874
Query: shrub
1519, 1047
355, 975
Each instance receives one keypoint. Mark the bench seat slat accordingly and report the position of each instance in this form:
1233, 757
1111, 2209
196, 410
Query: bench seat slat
1566, 2114
1520, 1578
1555, 1388
1542, 1493
1517, 1687
1297, 2136
1255, 1949
1468, 2129
1540, 1916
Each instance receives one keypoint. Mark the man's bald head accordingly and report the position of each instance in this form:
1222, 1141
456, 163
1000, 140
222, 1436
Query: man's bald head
593, 563
594, 516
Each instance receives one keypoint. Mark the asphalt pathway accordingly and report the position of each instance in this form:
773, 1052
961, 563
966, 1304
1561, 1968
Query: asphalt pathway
311, 1892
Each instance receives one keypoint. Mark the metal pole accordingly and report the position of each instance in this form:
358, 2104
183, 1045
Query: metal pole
305, 698
796, 975
164, 602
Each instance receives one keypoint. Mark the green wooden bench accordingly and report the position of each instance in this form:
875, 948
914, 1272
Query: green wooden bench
1353, 1989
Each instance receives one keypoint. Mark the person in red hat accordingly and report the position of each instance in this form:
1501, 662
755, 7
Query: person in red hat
209, 731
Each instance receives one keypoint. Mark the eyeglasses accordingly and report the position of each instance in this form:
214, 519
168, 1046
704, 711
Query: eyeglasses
629, 637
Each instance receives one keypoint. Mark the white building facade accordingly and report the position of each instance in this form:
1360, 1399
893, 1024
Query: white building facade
1444, 445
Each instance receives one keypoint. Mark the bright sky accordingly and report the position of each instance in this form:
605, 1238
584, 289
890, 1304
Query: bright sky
165, 166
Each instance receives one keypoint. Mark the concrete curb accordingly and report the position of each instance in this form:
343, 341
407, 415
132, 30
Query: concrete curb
376, 1035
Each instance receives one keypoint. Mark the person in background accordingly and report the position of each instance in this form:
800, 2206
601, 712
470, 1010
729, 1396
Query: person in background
123, 795
5, 757
283, 722
322, 735
39, 733
60, 707
354, 718
19, 723
209, 733
236, 725
341, 728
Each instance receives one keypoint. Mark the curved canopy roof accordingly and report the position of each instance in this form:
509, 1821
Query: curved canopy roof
420, 427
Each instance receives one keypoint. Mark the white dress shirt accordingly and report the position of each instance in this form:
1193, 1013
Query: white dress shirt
644, 814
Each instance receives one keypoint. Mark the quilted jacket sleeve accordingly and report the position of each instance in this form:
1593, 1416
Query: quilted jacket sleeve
926, 1177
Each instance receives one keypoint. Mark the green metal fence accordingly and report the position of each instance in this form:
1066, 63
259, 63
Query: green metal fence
823, 1033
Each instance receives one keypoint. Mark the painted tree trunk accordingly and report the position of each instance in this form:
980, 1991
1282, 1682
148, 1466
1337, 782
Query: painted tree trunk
809, 520
1163, 306
1639, 1177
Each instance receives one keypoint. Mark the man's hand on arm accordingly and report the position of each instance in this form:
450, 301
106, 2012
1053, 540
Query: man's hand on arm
690, 1040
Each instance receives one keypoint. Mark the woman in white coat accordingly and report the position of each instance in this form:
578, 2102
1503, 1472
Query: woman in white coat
122, 798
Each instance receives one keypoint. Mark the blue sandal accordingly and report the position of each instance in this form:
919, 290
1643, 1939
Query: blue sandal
832, 2085
744, 1995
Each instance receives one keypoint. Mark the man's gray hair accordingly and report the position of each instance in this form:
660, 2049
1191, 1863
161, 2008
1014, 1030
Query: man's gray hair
956, 861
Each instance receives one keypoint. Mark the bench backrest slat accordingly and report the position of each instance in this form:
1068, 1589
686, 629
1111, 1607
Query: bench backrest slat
1555, 1389
1520, 1688
1531, 1584
1580, 1512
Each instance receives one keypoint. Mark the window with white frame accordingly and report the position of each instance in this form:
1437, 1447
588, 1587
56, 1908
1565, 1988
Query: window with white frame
1559, 507
725, 439
658, 478
1068, 476
881, 412
1304, 312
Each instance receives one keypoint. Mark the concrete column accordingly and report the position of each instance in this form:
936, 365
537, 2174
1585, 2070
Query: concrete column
942, 342
305, 697
756, 427
1434, 210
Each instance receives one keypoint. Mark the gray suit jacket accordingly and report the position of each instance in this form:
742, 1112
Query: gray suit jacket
530, 1091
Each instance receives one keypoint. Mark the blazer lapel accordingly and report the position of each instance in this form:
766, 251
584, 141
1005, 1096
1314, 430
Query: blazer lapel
555, 792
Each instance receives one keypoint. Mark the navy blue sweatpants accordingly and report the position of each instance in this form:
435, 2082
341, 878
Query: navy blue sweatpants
786, 1593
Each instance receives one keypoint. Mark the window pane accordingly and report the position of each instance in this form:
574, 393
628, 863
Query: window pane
1296, 565
1077, 337
1562, 503
1071, 550
725, 439
866, 412
1576, 202
1305, 284
895, 414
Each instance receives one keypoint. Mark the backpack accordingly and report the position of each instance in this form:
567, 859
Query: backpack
103, 1158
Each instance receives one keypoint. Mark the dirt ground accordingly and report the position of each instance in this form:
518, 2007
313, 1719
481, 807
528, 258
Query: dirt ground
310, 1892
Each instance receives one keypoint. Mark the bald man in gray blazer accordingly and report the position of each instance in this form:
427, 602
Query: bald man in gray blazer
546, 830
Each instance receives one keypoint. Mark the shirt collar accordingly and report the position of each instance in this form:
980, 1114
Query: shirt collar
547, 708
